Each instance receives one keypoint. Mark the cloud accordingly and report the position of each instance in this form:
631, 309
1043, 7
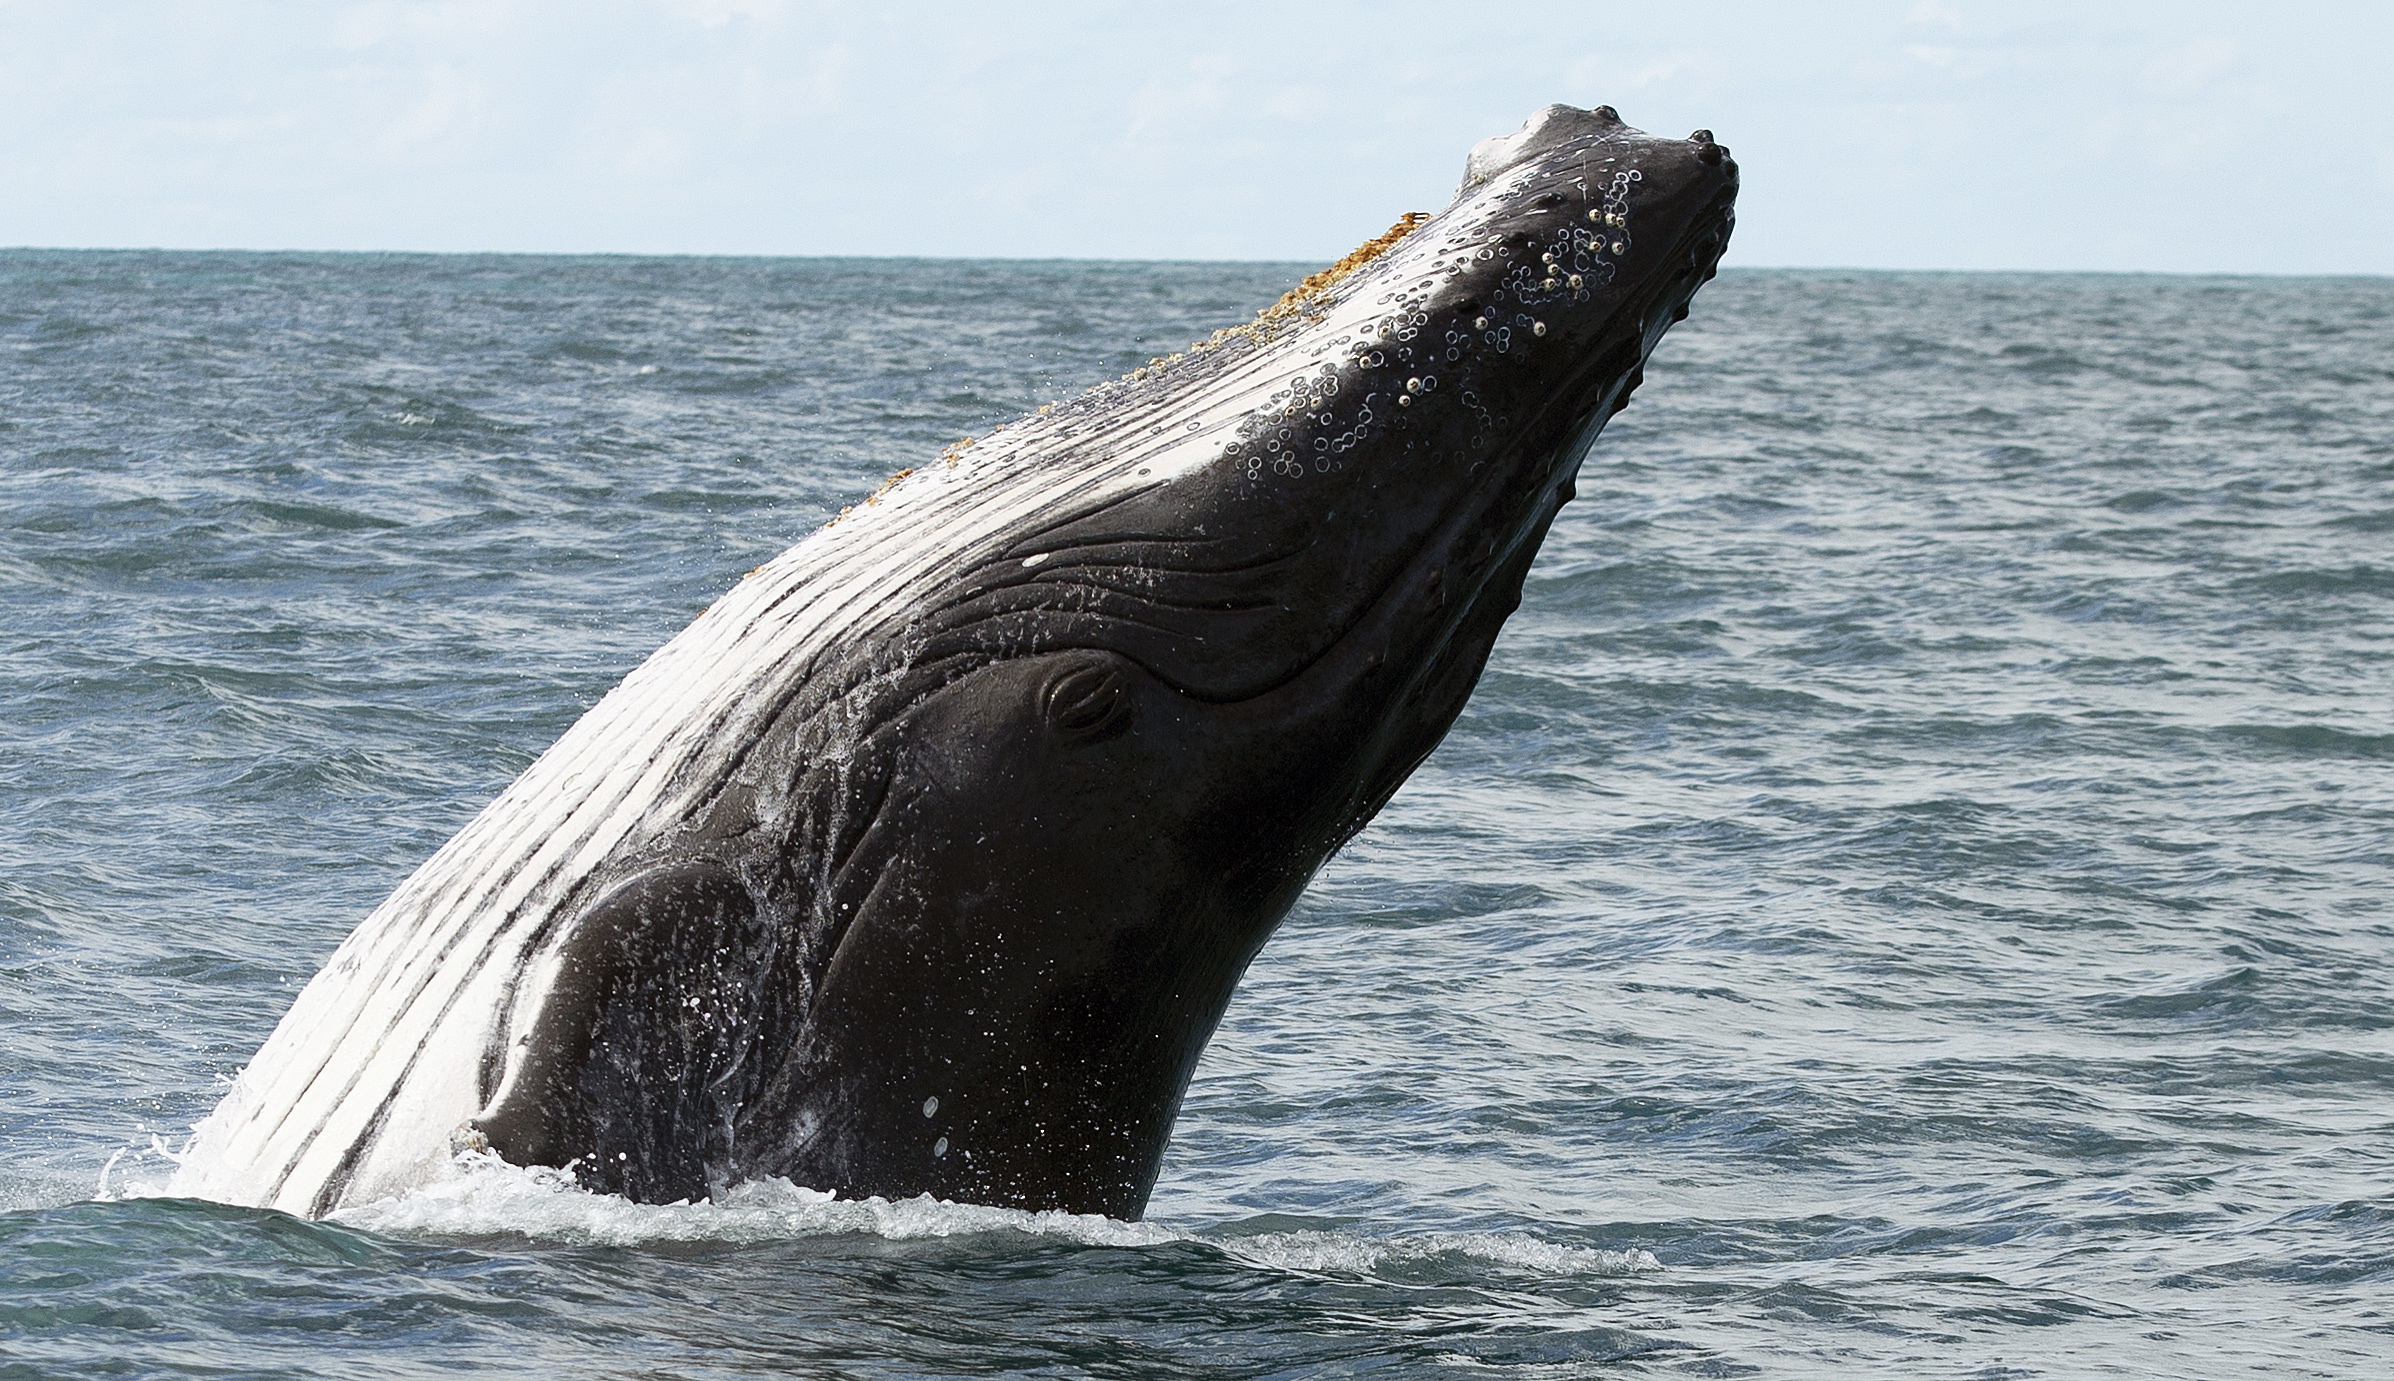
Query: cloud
448, 109
450, 22
1605, 72
2190, 67
715, 14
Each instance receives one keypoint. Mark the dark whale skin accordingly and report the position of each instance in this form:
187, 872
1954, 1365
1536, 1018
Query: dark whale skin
1091, 837
965, 885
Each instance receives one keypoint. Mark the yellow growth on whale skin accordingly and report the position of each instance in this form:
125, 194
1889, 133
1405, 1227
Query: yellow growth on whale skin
1328, 278
1295, 299
1291, 303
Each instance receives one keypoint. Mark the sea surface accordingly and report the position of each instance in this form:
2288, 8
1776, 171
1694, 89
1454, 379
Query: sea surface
1912, 895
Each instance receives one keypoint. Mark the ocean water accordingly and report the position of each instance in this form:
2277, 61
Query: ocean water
1912, 895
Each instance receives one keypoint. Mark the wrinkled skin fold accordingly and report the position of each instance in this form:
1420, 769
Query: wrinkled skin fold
927, 860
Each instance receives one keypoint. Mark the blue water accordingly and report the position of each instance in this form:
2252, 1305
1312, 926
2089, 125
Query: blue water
1911, 895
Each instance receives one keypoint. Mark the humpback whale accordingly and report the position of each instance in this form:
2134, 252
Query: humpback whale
926, 860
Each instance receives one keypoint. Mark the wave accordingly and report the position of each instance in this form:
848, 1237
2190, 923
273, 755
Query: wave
482, 1196
1353, 1254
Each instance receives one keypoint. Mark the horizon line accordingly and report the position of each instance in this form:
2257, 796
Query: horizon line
633, 254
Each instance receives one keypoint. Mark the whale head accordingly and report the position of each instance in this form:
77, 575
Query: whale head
1125, 735
926, 861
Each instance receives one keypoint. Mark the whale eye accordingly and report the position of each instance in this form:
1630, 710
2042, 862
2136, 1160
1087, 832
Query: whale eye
1089, 702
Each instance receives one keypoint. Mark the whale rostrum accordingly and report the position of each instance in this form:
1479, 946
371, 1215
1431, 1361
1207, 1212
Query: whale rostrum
926, 860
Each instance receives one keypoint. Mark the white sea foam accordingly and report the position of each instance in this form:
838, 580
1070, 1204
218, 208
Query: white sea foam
483, 1195
1348, 1253
135, 1170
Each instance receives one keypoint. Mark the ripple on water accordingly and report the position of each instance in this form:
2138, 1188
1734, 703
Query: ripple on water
1910, 893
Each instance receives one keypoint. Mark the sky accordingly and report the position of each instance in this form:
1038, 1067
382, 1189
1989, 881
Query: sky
1946, 134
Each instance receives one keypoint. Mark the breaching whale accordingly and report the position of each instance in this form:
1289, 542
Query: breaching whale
925, 861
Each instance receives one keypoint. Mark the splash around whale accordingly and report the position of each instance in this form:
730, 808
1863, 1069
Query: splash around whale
926, 860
